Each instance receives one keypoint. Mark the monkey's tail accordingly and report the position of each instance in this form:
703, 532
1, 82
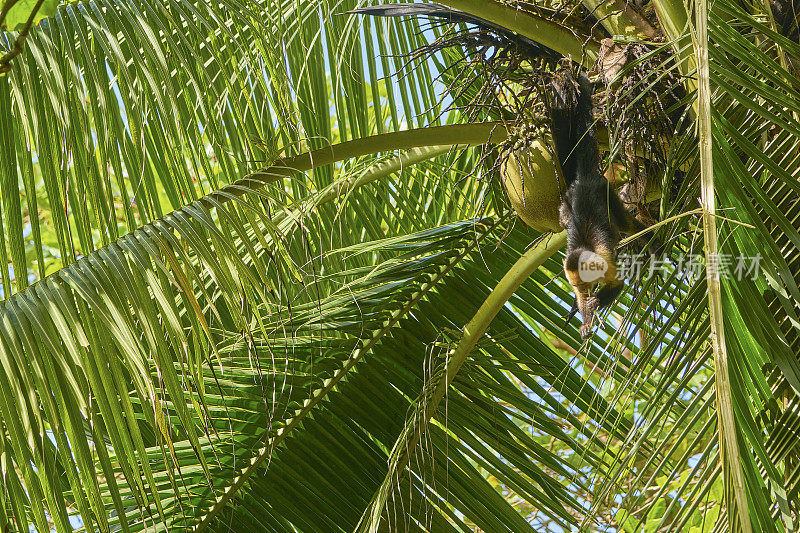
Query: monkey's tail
572, 125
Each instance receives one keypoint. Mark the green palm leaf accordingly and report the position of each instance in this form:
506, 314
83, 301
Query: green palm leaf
246, 262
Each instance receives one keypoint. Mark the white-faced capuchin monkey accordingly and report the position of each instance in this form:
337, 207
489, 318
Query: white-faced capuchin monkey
591, 211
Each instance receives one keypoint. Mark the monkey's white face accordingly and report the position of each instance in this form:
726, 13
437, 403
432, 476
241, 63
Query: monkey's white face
593, 268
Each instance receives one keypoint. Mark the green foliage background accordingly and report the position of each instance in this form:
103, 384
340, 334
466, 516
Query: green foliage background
204, 329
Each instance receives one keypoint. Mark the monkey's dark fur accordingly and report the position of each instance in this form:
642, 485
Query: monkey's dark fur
591, 211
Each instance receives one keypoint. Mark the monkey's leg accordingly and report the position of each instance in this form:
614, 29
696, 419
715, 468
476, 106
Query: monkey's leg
629, 225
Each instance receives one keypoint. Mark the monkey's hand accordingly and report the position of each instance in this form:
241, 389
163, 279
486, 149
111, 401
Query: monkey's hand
586, 313
586, 331
592, 304
588, 307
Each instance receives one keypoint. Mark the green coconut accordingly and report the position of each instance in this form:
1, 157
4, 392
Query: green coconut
535, 185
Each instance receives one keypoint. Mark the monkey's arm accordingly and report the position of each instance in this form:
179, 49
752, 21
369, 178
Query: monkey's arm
608, 293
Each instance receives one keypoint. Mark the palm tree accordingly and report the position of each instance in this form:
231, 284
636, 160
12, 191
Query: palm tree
261, 278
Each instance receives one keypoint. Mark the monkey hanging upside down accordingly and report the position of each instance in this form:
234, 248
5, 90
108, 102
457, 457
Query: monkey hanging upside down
591, 211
